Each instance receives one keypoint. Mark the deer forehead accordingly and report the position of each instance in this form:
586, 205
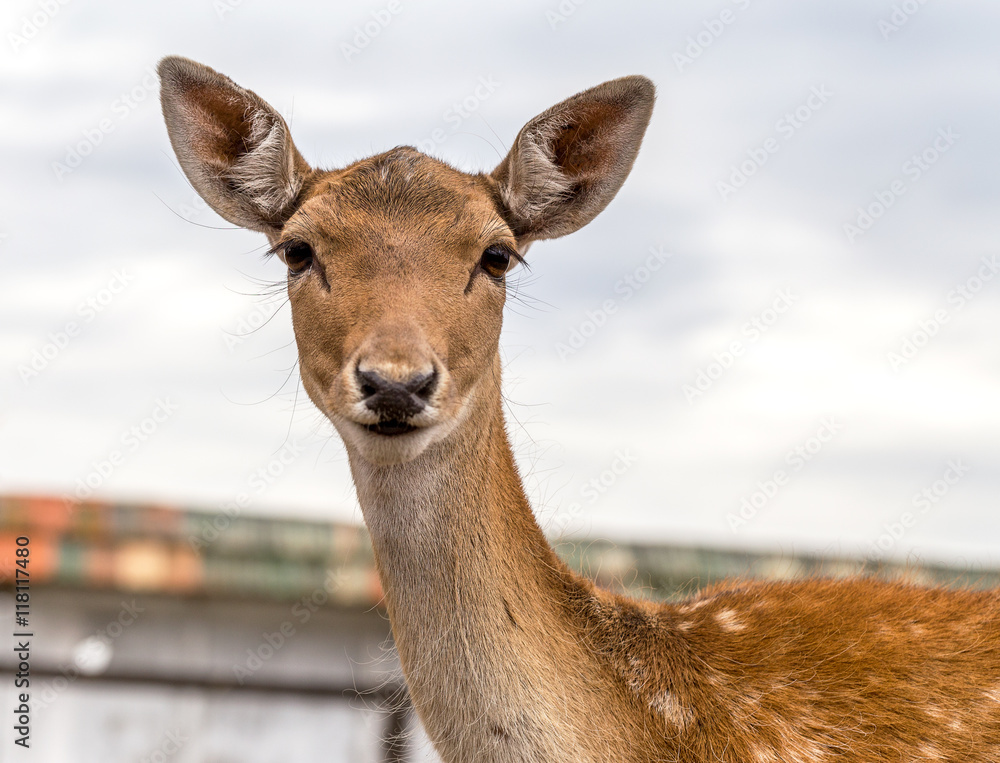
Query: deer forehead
400, 203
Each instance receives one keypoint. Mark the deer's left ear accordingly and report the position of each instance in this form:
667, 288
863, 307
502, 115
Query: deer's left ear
567, 163
234, 148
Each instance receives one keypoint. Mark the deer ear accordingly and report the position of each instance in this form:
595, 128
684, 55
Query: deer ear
234, 148
567, 163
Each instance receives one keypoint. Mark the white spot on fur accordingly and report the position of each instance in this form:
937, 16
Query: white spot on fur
929, 752
637, 675
764, 755
694, 606
666, 704
729, 622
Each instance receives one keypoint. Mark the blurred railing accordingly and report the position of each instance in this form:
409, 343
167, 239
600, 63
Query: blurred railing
236, 579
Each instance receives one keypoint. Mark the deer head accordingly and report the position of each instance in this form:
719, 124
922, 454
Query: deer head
397, 263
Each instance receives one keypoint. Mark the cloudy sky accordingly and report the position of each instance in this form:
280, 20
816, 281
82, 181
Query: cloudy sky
782, 334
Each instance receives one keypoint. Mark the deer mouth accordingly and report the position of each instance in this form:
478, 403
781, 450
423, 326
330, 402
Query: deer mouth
390, 427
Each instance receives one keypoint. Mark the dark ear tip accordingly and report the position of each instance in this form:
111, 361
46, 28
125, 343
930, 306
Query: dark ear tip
173, 68
639, 88
178, 71
635, 94
641, 83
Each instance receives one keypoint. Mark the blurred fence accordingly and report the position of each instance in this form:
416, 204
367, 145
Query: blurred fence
161, 634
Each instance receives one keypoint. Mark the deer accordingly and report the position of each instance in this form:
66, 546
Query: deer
397, 268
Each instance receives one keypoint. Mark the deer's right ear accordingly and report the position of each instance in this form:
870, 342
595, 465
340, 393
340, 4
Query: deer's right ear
234, 148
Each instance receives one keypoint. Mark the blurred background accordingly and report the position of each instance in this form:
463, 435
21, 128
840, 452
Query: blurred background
775, 353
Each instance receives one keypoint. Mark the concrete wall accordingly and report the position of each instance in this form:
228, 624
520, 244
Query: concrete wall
119, 678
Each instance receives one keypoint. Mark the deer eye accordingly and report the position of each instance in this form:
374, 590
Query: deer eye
495, 261
298, 255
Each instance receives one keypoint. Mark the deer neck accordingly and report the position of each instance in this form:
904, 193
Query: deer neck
477, 598
452, 530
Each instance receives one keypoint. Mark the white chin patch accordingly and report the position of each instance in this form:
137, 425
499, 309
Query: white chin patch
385, 450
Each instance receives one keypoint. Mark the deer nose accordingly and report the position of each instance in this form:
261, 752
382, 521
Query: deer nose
396, 399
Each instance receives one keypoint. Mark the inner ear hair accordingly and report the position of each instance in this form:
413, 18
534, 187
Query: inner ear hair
234, 148
567, 163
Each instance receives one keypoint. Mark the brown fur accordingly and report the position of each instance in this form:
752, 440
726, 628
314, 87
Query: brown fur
509, 656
